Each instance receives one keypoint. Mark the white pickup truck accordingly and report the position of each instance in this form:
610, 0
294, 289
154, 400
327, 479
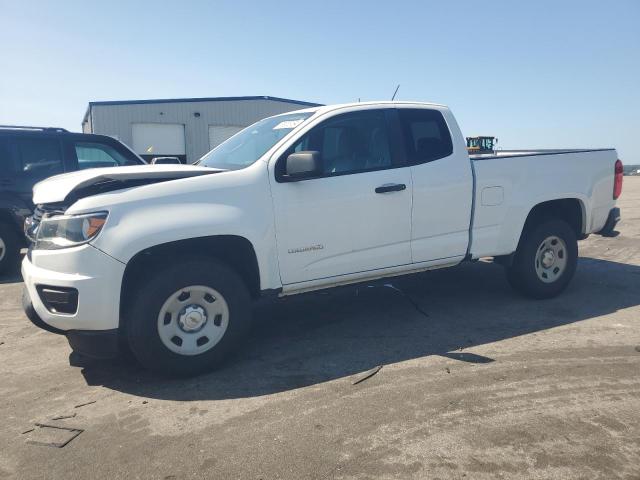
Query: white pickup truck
166, 259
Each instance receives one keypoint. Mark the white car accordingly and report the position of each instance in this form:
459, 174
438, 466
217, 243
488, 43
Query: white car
165, 259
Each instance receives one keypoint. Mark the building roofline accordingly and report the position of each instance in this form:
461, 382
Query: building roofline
204, 99
197, 99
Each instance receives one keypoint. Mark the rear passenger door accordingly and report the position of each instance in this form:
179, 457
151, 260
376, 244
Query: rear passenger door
442, 186
36, 158
40, 158
7, 165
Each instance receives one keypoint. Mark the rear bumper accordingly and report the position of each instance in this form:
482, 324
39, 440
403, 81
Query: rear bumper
610, 225
92, 343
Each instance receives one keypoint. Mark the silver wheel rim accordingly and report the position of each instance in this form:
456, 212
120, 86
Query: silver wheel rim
551, 259
3, 249
193, 320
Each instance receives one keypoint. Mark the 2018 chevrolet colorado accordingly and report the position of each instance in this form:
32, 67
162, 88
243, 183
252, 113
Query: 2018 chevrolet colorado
166, 259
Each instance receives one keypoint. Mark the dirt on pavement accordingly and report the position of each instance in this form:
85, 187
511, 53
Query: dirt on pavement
476, 382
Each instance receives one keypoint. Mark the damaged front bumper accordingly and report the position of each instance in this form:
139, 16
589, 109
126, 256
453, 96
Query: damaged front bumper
92, 343
83, 307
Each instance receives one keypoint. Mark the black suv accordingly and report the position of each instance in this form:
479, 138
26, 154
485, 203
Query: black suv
31, 154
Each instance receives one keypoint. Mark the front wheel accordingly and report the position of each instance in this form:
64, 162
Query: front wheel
188, 317
545, 261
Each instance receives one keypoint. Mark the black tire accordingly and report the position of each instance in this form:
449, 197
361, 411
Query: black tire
142, 318
522, 273
10, 248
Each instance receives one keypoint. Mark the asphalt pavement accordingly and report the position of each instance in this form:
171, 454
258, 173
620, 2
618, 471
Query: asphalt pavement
445, 374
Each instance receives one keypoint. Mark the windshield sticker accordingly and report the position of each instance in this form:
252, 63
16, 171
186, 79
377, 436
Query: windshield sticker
288, 124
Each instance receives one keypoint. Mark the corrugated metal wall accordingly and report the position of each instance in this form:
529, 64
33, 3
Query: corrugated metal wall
116, 120
86, 124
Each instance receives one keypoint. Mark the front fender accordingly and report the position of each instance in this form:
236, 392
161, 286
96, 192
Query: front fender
231, 203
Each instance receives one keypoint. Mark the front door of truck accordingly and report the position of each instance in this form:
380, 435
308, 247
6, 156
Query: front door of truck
355, 216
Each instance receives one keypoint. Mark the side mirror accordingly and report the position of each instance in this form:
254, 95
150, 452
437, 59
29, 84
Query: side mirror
301, 165
165, 161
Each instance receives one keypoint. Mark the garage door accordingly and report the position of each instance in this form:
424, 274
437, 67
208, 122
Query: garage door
219, 133
158, 139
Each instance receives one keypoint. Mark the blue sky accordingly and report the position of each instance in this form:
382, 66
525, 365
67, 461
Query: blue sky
536, 74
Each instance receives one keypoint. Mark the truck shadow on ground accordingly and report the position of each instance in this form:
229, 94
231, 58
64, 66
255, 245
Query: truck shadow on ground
306, 340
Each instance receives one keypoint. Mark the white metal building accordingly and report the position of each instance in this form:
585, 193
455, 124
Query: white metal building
183, 127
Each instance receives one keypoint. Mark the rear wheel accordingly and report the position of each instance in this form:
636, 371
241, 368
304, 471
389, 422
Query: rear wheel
9, 248
188, 317
545, 261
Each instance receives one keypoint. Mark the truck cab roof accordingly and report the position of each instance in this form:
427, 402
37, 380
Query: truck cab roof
389, 103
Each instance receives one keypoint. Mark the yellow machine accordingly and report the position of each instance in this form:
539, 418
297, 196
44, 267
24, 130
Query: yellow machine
481, 144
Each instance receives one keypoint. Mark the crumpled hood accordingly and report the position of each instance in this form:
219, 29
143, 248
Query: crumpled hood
59, 187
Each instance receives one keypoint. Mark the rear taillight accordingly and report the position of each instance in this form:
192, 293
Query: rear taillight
617, 182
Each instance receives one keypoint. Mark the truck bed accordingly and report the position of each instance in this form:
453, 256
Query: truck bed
510, 182
519, 153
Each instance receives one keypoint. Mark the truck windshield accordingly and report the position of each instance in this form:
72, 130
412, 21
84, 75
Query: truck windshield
246, 147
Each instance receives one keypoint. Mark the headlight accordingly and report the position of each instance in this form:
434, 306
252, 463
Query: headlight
69, 230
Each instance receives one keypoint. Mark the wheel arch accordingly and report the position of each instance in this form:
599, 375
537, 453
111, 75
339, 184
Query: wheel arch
235, 251
571, 210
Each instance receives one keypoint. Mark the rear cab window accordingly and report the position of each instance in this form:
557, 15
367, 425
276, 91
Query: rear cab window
96, 155
426, 134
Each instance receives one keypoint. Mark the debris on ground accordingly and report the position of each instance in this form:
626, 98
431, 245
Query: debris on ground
637, 348
413, 303
408, 297
368, 375
85, 404
52, 435
447, 370
63, 417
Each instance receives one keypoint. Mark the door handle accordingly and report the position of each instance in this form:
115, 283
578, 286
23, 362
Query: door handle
391, 187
